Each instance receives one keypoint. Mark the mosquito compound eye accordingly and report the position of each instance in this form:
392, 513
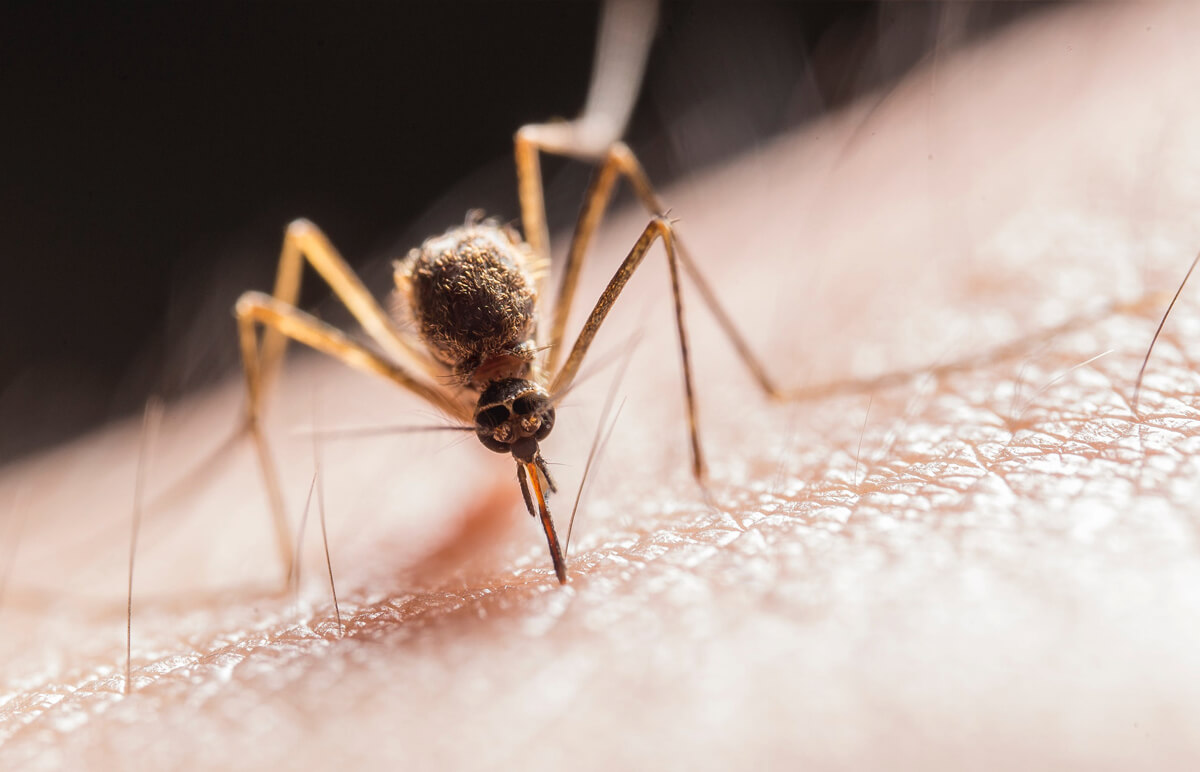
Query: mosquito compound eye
547, 419
491, 417
492, 428
490, 442
525, 405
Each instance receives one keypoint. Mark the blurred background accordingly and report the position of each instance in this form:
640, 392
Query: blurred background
152, 154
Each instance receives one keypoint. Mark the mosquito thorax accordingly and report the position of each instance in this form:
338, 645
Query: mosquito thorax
471, 296
512, 416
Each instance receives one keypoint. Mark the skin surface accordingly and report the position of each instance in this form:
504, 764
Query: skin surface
988, 565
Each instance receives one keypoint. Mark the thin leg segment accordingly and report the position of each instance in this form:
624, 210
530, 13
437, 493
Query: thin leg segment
658, 228
531, 195
305, 241
622, 45
282, 319
617, 160
559, 139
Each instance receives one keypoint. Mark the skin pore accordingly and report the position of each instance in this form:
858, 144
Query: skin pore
996, 564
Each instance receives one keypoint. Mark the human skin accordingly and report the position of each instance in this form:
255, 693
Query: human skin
992, 563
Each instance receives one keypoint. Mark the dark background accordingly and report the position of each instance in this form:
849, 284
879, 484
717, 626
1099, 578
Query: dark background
151, 154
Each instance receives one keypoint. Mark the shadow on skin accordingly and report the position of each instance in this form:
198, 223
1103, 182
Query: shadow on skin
1004, 571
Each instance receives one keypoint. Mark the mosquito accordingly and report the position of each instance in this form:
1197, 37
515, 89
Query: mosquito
464, 333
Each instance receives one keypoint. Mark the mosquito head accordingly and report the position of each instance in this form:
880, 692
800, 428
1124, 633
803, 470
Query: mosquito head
513, 415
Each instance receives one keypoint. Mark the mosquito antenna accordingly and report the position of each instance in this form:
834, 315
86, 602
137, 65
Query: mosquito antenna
151, 419
858, 455
375, 431
1137, 389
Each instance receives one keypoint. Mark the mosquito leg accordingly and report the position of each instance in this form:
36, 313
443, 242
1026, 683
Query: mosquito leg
596, 200
658, 228
625, 32
620, 160
629, 167
531, 195
281, 318
725, 322
304, 241
270, 476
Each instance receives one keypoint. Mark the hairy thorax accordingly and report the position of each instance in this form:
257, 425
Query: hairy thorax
471, 294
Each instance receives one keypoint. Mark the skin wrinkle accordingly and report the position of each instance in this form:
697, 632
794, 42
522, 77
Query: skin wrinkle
997, 588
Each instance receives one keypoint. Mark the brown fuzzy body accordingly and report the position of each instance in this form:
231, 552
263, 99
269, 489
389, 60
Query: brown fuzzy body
471, 295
